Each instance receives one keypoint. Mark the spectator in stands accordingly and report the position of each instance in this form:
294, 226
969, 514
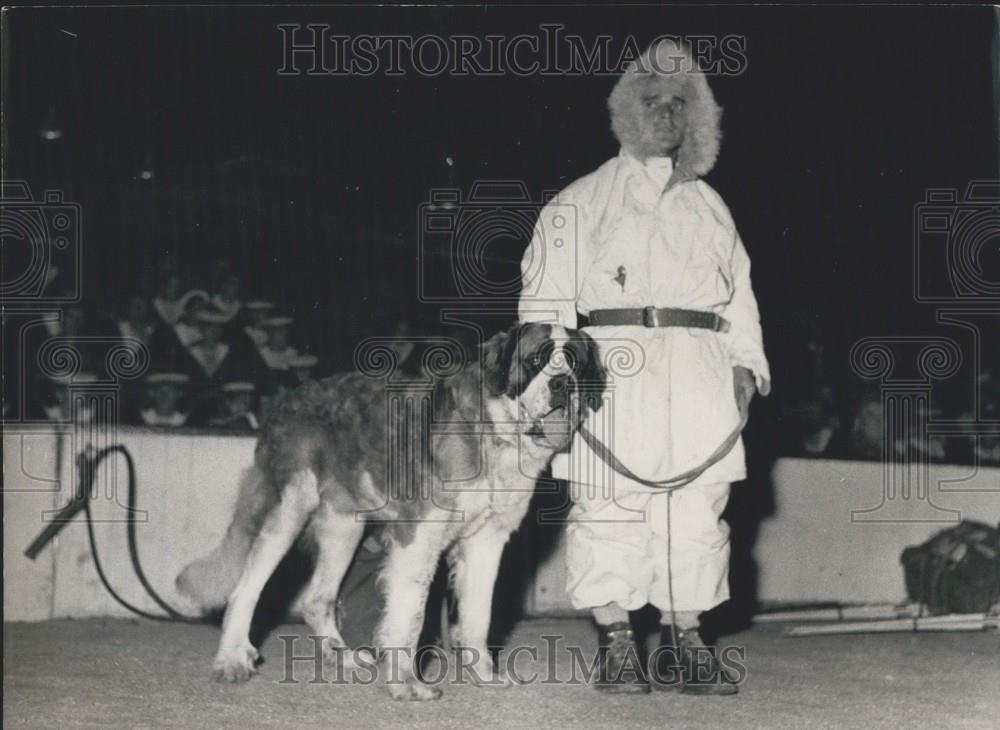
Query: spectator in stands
71, 323
187, 329
226, 298
301, 368
988, 450
137, 326
168, 302
988, 447
169, 347
273, 390
868, 433
867, 430
277, 351
37, 353
918, 444
257, 311
61, 406
210, 351
974, 448
164, 391
814, 424
236, 410
213, 363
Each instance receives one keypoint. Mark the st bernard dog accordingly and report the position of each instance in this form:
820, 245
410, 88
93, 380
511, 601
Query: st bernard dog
454, 475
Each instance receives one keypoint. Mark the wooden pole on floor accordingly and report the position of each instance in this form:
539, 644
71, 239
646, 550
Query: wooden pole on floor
841, 613
950, 622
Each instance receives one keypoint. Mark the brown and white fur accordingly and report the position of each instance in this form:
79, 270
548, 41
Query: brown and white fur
337, 454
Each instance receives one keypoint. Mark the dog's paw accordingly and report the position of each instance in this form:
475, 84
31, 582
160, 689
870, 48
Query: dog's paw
235, 663
412, 690
487, 674
338, 656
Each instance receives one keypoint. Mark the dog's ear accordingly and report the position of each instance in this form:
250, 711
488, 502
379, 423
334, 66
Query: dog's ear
495, 358
592, 378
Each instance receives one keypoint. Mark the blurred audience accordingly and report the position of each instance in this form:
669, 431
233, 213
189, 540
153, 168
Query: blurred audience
226, 298
277, 350
236, 408
257, 311
137, 325
209, 351
209, 355
813, 424
61, 405
217, 361
163, 393
867, 434
167, 302
976, 448
301, 368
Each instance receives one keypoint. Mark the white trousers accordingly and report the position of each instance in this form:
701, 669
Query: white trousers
617, 548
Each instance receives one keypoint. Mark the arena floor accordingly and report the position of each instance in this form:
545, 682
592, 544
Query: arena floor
137, 674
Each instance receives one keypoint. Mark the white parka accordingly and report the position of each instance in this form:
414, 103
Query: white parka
634, 233
631, 235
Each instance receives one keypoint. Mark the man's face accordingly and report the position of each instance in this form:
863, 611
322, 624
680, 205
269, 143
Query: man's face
870, 422
239, 403
165, 399
664, 114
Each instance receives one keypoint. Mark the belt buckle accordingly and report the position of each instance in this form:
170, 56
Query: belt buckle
650, 317
720, 323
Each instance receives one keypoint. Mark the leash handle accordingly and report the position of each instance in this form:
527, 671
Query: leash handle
87, 462
675, 482
77, 503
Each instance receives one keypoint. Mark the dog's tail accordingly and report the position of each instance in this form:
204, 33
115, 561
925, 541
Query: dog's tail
210, 580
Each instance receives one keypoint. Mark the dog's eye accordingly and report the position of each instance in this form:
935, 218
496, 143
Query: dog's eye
541, 357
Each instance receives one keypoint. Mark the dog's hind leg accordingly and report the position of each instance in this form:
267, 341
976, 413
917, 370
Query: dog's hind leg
474, 563
406, 579
336, 536
236, 658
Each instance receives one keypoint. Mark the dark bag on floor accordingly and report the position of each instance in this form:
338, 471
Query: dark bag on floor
956, 571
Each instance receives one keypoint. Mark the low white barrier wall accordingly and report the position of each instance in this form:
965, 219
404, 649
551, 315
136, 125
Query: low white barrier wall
186, 486
812, 548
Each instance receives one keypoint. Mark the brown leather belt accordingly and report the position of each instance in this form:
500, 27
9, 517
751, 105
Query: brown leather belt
653, 317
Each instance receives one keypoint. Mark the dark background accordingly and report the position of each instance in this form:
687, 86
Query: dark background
312, 185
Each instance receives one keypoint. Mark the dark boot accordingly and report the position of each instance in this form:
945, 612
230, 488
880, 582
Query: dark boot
619, 670
685, 664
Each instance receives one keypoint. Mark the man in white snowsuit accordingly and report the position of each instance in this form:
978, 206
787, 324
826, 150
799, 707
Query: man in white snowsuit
650, 254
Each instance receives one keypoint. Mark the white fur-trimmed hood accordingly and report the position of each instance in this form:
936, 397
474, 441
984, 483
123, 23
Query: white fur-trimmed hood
669, 60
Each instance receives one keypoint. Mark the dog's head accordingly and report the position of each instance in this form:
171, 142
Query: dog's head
552, 373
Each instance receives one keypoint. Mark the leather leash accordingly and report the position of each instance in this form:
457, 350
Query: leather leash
675, 482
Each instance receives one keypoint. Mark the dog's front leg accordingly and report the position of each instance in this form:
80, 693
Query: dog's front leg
474, 563
406, 578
